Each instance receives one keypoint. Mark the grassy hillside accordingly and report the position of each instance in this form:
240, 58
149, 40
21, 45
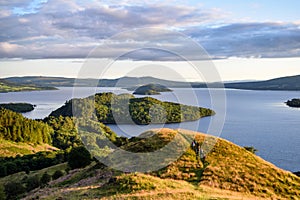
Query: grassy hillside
229, 172
94, 183
12, 149
231, 167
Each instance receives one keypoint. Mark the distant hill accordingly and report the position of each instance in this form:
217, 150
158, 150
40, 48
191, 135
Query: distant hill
283, 83
89, 82
6, 86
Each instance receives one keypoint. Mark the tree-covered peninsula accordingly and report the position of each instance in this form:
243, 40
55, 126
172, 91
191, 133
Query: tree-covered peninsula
110, 108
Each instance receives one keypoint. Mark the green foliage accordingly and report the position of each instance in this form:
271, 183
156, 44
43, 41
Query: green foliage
2, 193
18, 107
31, 162
151, 89
110, 108
65, 133
32, 182
16, 128
45, 179
57, 174
79, 157
251, 149
14, 189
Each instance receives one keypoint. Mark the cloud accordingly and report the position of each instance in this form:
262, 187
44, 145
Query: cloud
71, 29
14, 3
250, 39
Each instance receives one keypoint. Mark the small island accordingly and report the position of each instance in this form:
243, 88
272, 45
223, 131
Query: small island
295, 103
151, 89
18, 107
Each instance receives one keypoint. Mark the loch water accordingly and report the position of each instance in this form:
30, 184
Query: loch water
253, 118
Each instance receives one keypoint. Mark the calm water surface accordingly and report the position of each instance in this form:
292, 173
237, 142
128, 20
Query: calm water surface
253, 118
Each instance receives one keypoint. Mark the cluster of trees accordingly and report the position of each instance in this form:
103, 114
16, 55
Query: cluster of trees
109, 108
27, 163
60, 132
16, 128
16, 189
64, 133
151, 89
294, 103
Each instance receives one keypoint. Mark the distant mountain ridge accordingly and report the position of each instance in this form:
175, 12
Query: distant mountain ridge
282, 83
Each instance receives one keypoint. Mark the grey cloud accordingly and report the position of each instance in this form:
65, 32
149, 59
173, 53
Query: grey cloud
67, 29
250, 39
14, 3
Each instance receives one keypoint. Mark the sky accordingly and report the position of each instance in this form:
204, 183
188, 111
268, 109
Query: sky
245, 40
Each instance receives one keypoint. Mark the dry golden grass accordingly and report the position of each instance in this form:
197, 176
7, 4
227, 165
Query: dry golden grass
229, 172
12, 149
230, 167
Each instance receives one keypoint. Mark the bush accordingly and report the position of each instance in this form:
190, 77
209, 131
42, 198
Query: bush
57, 174
45, 179
14, 189
33, 182
2, 193
251, 149
79, 157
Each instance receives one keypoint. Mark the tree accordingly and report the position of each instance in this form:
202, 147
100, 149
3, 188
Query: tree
79, 157
45, 179
33, 182
251, 149
57, 174
2, 193
14, 189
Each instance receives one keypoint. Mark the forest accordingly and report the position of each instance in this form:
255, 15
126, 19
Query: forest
59, 132
16, 128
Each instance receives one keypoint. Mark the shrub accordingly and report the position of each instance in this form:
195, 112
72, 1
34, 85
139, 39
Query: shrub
79, 157
45, 179
251, 149
57, 174
2, 193
14, 189
33, 182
